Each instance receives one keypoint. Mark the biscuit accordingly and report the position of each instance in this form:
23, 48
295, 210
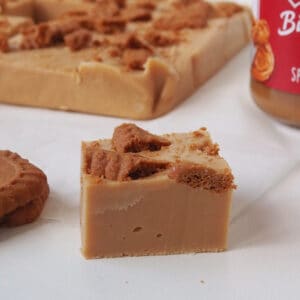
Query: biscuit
23, 190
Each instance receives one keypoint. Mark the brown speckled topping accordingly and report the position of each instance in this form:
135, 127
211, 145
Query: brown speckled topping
188, 158
130, 49
122, 167
78, 39
161, 39
151, 25
130, 138
134, 59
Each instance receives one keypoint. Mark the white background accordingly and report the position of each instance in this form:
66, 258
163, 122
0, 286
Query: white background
43, 260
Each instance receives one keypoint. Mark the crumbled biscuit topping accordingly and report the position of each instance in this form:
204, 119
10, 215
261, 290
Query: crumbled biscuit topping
131, 49
78, 39
39, 36
134, 59
146, 24
123, 166
120, 161
131, 138
161, 39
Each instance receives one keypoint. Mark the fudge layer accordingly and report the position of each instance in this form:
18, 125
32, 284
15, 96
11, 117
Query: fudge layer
163, 66
145, 195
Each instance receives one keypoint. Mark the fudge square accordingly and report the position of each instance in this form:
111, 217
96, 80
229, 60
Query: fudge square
143, 194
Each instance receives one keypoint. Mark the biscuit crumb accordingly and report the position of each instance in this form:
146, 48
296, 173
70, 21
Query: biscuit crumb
78, 39
38, 36
131, 49
130, 138
198, 134
109, 25
134, 59
114, 52
197, 176
159, 39
123, 166
98, 57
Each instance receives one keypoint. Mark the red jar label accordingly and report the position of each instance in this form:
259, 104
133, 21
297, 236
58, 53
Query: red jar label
276, 36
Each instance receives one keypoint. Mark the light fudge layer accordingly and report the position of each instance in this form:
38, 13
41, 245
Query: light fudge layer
143, 196
152, 217
167, 66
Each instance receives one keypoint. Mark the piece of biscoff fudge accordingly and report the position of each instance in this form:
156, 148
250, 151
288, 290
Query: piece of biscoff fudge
143, 194
136, 59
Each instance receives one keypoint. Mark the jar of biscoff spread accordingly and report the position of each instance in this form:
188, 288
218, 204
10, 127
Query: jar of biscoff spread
275, 71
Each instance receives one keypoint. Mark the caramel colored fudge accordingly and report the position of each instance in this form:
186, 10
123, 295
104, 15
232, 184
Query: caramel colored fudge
143, 194
134, 59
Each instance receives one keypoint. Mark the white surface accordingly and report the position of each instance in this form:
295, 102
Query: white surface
43, 261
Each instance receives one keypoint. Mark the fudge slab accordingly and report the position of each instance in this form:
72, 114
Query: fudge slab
82, 83
175, 199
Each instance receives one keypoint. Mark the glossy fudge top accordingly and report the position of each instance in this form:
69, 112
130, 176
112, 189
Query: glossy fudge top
135, 154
